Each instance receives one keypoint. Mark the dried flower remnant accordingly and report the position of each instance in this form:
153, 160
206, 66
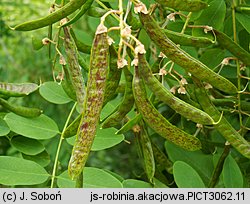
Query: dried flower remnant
173, 89
136, 128
140, 49
126, 32
140, 8
171, 17
60, 76
62, 60
162, 72
63, 21
162, 55
182, 90
208, 86
199, 125
101, 29
134, 62
110, 41
183, 81
45, 41
122, 63
225, 61
207, 29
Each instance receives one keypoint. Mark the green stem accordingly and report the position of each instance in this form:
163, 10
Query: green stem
121, 29
242, 8
186, 22
57, 39
237, 62
79, 181
219, 167
108, 9
59, 147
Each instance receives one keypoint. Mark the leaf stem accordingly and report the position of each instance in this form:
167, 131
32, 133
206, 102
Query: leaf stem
237, 62
219, 166
79, 181
59, 146
186, 22
121, 29
106, 8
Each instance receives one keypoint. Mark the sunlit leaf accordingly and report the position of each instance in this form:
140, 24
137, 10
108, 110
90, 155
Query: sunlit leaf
201, 162
244, 20
4, 128
104, 139
186, 177
133, 183
17, 171
92, 178
41, 127
42, 158
54, 93
27, 145
232, 175
212, 16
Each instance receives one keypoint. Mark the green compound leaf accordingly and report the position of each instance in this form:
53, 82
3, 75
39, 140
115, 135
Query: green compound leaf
133, 183
41, 127
104, 139
92, 178
98, 178
43, 158
119, 177
202, 163
54, 93
4, 128
27, 145
186, 177
244, 20
232, 175
158, 184
64, 181
212, 16
109, 108
17, 171
213, 53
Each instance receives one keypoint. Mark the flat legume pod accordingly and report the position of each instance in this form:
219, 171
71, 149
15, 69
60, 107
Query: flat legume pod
74, 68
230, 45
147, 153
224, 127
126, 105
96, 12
67, 84
184, 5
181, 107
81, 47
82, 11
180, 57
157, 122
71, 130
51, 18
92, 104
187, 40
16, 89
114, 76
20, 110
161, 160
